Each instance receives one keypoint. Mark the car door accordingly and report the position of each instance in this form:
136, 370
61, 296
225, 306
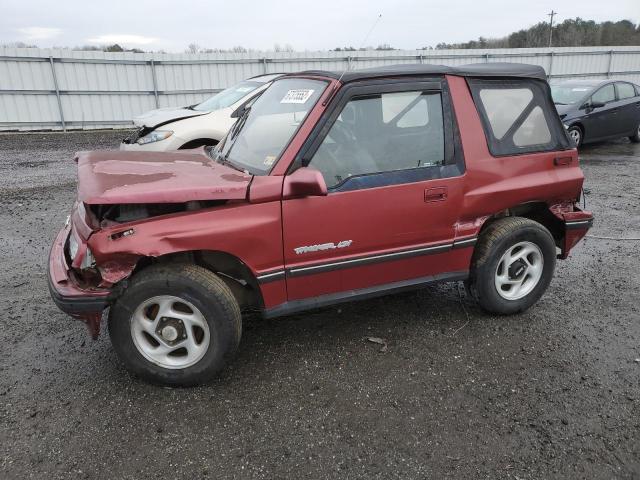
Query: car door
387, 154
629, 108
600, 122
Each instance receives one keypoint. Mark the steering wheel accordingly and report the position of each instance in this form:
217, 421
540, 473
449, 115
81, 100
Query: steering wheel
341, 133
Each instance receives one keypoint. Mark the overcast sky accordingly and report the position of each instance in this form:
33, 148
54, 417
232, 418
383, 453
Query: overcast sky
171, 26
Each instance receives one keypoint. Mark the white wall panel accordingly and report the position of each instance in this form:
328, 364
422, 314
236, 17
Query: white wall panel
101, 89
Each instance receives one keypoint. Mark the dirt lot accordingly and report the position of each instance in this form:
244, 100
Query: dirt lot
552, 393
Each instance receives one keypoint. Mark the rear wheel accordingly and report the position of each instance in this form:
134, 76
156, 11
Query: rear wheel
175, 324
512, 265
576, 135
636, 138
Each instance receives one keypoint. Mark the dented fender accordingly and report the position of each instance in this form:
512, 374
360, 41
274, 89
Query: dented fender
250, 232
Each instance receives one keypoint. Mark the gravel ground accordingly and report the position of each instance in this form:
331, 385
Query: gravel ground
551, 393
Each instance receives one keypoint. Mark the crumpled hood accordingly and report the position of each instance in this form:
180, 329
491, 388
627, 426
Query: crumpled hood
160, 116
115, 177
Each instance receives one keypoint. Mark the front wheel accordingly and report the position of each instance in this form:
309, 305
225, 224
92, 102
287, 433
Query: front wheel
175, 324
576, 135
512, 265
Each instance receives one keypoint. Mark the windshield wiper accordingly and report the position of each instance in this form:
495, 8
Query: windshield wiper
560, 103
235, 131
217, 157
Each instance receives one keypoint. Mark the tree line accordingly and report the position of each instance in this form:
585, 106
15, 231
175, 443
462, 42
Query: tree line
570, 33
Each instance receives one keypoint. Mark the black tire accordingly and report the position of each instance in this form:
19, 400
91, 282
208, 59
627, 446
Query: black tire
576, 134
635, 138
198, 286
494, 242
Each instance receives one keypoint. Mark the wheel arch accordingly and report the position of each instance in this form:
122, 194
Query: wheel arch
198, 142
539, 212
232, 270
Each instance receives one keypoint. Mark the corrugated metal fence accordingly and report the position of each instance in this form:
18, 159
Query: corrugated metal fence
63, 89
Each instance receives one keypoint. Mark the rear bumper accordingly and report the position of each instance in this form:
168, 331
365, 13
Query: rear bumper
576, 225
86, 305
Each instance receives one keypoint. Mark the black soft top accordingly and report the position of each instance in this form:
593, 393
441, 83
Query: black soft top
493, 69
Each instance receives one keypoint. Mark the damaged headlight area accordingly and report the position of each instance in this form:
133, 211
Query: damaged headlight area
88, 260
154, 136
73, 247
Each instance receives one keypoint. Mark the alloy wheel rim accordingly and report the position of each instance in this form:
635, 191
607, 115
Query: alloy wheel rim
519, 270
170, 332
575, 136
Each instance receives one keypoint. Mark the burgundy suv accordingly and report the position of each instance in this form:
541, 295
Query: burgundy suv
329, 188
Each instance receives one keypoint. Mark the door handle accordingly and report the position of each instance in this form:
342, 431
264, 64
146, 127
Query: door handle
562, 161
435, 194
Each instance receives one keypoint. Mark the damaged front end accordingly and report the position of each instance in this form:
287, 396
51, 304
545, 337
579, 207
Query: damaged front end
77, 294
98, 249
83, 279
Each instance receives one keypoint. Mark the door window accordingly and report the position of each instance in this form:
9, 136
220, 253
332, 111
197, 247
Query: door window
383, 133
605, 95
625, 90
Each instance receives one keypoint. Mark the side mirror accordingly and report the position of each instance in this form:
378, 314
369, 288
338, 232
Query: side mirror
304, 182
591, 105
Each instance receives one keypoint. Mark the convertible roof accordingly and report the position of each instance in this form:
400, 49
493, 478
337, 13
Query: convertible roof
494, 69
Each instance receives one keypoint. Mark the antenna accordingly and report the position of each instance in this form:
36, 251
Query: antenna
362, 44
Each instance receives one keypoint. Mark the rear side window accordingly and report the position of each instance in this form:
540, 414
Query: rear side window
625, 90
605, 95
518, 116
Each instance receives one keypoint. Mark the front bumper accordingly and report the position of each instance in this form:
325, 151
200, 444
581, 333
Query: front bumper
84, 304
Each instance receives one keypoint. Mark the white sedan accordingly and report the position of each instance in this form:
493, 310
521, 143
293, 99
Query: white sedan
194, 126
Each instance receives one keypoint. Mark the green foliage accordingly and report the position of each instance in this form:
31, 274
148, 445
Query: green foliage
570, 33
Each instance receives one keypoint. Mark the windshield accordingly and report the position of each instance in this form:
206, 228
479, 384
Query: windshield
228, 97
261, 134
569, 94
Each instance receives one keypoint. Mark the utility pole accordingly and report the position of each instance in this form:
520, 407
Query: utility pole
551, 25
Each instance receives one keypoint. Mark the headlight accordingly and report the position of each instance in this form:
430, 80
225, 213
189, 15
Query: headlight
566, 126
154, 136
73, 247
88, 260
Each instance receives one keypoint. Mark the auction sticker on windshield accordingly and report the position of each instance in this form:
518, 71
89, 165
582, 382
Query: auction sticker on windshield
297, 96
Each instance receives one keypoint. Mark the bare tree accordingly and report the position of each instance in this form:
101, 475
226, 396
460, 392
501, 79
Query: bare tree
18, 45
192, 48
282, 48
